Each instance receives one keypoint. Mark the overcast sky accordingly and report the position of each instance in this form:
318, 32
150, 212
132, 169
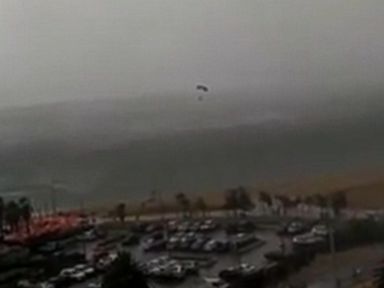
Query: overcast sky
81, 49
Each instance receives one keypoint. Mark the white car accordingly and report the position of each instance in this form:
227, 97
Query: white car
24, 284
216, 282
320, 230
45, 285
247, 268
210, 246
67, 272
89, 271
79, 276
307, 239
80, 267
176, 271
295, 227
94, 285
112, 256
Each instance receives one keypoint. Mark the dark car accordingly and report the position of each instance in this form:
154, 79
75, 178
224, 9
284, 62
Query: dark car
242, 226
154, 245
293, 228
222, 246
198, 244
173, 243
131, 239
185, 243
154, 227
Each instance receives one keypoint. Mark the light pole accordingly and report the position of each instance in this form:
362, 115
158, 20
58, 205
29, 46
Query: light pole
332, 245
83, 218
53, 192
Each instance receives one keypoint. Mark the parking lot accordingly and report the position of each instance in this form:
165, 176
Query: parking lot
184, 254
253, 256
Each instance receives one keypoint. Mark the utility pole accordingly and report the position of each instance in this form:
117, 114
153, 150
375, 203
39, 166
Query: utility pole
53, 199
332, 245
83, 217
162, 214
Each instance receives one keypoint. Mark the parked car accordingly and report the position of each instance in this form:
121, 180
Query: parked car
94, 285
198, 244
320, 230
210, 246
154, 245
242, 226
307, 239
216, 283
130, 240
79, 276
173, 243
293, 228
190, 267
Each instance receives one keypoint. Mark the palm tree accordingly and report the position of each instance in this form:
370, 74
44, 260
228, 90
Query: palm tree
12, 215
201, 205
244, 200
266, 199
1, 219
184, 203
297, 201
124, 273
26, 209
231, 201
238, 199
309, 202
321, 202
120, 212
338, 201
284, 202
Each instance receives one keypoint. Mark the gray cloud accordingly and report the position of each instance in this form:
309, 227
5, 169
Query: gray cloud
62, 50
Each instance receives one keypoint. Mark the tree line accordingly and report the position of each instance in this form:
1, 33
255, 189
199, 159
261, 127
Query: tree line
14, 214
239, 199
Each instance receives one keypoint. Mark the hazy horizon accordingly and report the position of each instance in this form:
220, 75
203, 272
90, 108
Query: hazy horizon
180, 147
102, 95
273, 50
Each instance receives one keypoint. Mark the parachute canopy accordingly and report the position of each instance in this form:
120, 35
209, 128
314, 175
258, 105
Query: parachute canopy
201, 87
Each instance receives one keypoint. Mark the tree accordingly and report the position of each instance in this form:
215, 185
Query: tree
296, 202
321, 202
231, 200
309, 200
12, 215
2, 207
285, 202
184, 203
26, 209
338, 201
201, 206
238, 199
124, 273
120, 212
266, 199
244, 201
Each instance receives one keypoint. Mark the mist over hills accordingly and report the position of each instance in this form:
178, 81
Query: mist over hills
114, 150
